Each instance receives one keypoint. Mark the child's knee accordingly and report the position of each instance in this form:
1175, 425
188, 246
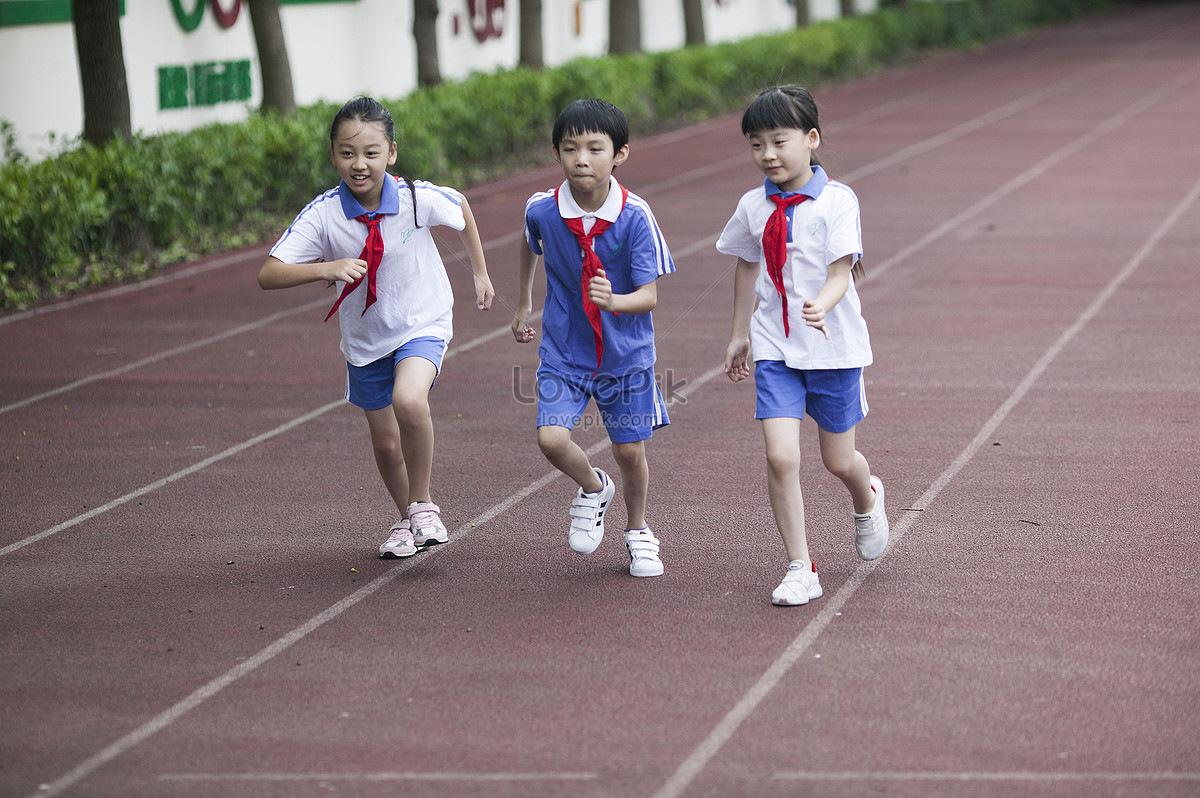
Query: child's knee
841, 465
552, 439
783, 459
410, 406
387, 448
630, 456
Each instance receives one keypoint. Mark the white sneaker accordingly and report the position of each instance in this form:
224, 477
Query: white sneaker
400, 541
587, 516
427, 525
799, 585
871, 529
643, 553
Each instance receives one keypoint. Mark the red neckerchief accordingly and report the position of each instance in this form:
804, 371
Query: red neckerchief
774, 243
372, 253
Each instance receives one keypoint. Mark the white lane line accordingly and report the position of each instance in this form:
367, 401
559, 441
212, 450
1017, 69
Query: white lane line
179, 350
87, 299
1016, 775
375, 777
175, 477
1027, 175
728, 726
223, 455
212, 688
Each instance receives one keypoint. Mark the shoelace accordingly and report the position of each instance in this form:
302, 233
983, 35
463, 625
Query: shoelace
866, 524
424, 518
400, 533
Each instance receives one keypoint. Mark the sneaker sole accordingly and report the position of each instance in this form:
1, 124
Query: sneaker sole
786, 603
391, 555
424, 544
588, 549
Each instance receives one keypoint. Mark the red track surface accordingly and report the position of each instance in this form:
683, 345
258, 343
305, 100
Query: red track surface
192, 605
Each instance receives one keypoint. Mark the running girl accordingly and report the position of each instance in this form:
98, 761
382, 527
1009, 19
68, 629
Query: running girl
371, 236
798, 240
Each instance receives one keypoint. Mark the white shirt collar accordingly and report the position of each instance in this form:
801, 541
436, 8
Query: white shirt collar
568, 208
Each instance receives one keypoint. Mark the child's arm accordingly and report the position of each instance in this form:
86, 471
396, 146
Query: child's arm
474, 246
641, 300
737, 356
520, 326
277, 274
836, 283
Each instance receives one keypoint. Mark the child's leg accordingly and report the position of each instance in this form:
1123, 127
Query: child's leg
389, 456
635, 480
870, 518
410, 408
848, 465
782, 436
565, 455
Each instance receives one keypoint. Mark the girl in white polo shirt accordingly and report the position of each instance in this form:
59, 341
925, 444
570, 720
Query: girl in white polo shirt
798, 241
371, 236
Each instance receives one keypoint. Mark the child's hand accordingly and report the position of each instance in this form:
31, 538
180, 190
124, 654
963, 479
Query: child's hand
600, 290
737, 365
521, 329
483, 293
346, 270
814, 316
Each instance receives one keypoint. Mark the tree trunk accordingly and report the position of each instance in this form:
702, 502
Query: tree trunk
802, 19
97, 25
624, 26
847, 8
693, 22
272, 57
531, 34
429, 72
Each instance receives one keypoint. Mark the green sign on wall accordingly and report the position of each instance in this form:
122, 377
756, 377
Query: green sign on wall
204, 84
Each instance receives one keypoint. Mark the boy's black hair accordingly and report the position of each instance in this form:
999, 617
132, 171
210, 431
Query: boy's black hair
592, 116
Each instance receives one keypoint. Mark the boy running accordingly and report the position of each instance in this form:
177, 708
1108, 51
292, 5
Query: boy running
603, 252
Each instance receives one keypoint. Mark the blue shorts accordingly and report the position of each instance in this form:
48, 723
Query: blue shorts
631, 406
370, 387
835, 398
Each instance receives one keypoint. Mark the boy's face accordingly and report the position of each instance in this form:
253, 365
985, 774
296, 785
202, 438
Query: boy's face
588, 160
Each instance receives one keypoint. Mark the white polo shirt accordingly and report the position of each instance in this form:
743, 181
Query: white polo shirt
821, 231
413, 294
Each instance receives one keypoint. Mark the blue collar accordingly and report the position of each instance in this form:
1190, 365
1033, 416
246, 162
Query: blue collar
812, 188
389, 201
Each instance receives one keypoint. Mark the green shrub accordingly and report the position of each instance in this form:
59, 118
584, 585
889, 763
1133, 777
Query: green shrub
94, 215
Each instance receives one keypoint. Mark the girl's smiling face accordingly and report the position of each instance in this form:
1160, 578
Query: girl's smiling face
785, 155
361, 154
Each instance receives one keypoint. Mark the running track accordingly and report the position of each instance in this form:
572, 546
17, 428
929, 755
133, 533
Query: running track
192, 606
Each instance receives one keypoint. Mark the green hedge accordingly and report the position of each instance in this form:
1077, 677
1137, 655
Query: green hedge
97, 215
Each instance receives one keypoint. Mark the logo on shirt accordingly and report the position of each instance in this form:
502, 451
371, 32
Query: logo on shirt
407, 234
817, 227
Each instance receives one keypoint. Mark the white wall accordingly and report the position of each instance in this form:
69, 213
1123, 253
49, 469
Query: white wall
337, 50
